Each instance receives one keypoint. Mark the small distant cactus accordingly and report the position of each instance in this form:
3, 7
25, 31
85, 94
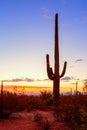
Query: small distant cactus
1, 88
55, 76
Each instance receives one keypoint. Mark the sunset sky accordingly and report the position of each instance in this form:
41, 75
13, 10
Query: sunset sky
27, 35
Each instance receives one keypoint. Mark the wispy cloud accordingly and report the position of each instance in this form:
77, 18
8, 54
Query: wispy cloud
67, 78
20, 80
24, 79
46, 79
78, 60
46, 12
29, 80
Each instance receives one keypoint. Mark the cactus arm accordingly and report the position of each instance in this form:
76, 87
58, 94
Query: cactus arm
49, 69
64, 69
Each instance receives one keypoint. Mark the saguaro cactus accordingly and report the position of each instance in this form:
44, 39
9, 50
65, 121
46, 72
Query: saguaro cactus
55, 76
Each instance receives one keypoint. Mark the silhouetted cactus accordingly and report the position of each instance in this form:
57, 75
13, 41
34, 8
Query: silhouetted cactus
55, 76
1, 88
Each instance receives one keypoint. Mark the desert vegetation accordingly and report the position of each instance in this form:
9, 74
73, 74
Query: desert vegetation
72, 108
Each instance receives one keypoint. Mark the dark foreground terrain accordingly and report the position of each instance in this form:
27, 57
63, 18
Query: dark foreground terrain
30, 121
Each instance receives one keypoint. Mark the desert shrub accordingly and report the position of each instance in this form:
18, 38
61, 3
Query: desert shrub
45, 124
5, 114
37, 117
42, 121
46, 98
42, 102
77, 117
33, 103
21, 103
13, 102
76, 114
73, 110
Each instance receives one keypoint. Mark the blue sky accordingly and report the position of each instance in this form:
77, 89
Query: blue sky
27, 35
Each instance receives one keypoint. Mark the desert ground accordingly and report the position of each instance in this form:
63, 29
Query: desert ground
26, 121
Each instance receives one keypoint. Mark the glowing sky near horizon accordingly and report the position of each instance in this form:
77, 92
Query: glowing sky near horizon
27, 35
